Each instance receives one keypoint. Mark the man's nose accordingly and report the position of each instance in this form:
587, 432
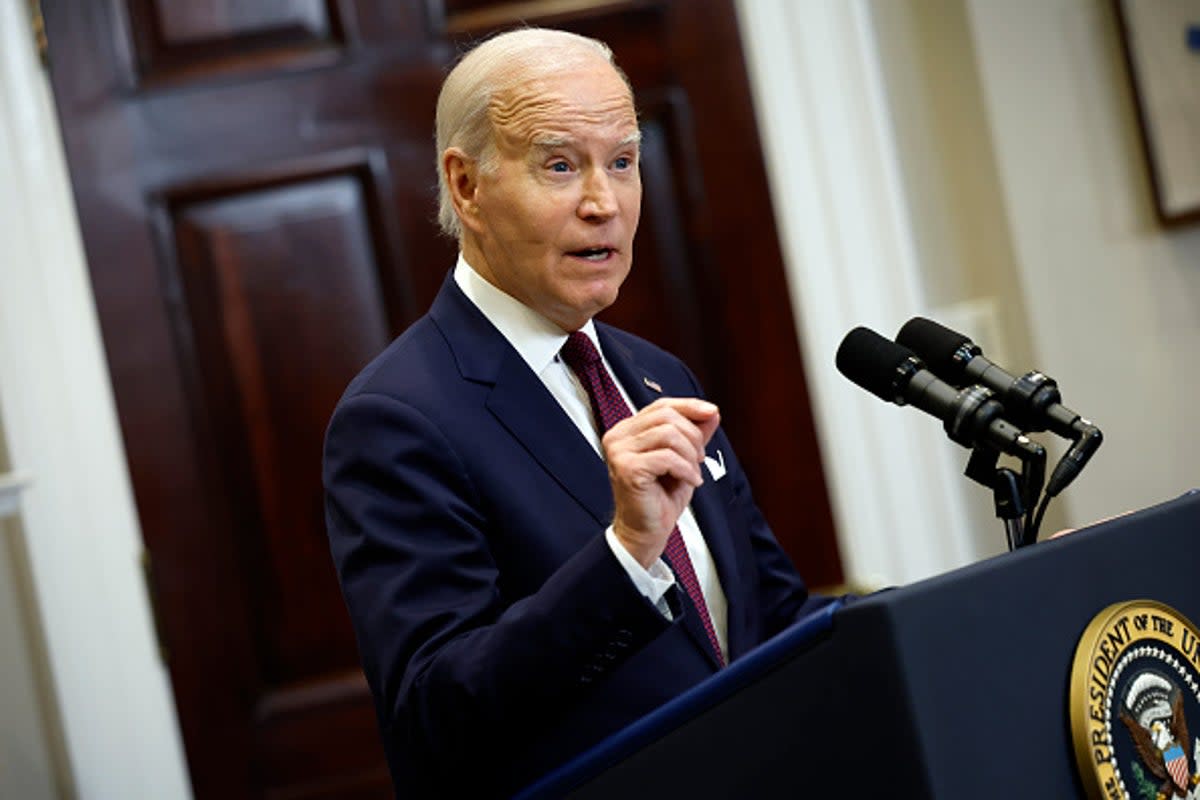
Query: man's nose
599, 201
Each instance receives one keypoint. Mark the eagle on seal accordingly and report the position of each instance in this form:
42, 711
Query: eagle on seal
1153, 714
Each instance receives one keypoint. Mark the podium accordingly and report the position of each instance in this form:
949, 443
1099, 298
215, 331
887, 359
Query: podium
953, 687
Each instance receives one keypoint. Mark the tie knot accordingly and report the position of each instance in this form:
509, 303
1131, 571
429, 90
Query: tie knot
579, 352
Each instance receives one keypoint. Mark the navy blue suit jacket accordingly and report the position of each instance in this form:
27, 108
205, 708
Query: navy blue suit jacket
497, 631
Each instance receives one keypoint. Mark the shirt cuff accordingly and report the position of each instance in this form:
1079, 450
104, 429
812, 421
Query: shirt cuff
653, 583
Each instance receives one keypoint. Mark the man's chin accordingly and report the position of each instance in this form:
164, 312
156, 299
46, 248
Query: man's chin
574, 317
602, 301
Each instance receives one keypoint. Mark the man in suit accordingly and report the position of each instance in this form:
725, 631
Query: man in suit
541, 531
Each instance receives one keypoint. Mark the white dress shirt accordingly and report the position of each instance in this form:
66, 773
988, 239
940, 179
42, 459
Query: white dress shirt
538, 341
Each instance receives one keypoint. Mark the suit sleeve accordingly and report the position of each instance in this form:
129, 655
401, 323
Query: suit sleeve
453, 670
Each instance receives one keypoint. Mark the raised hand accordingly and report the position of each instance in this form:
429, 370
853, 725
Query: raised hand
654, 462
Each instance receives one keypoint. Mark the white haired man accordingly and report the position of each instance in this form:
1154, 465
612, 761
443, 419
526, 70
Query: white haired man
541, 531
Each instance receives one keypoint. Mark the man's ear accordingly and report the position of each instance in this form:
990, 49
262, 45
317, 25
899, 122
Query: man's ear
462, 179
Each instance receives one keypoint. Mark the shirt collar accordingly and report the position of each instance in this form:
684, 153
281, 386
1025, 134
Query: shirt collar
536, 339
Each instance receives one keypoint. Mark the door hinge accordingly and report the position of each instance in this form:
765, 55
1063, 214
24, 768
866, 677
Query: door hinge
37, 24
155, 613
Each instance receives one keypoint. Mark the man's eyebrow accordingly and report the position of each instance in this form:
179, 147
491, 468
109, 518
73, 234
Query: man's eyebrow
546, 141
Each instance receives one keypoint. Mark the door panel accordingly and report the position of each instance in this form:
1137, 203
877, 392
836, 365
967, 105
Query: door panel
255, 184
173, 42
280, 303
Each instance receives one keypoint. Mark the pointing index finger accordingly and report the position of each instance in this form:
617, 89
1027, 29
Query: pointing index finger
704, 415
693, 408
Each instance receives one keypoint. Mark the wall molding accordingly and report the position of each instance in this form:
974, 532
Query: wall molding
831, 153
11, 484
114, 711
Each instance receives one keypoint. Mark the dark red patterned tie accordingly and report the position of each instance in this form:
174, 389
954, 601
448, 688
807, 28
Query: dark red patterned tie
610, 408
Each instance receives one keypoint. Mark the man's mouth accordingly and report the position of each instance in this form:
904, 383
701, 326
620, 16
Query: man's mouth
593, 253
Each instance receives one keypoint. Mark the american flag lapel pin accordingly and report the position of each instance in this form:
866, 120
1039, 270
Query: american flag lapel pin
652, 384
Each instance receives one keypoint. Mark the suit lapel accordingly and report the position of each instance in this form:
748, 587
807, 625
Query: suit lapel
644, 388
520, 401
523, 405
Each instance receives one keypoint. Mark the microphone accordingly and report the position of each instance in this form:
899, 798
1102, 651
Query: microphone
893, 373
1032, 400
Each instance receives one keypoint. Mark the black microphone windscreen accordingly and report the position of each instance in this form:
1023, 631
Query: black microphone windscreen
935, 344
874, 363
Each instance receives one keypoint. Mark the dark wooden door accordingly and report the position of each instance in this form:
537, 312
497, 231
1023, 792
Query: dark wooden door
255, 186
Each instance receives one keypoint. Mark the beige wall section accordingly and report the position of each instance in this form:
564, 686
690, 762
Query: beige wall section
957, 211
828, 138
1026, 207
947, 157
1112, 299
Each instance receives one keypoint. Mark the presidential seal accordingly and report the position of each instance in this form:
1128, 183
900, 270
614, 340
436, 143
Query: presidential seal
1135, 695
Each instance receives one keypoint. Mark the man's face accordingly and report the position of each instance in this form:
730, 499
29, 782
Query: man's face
555, 216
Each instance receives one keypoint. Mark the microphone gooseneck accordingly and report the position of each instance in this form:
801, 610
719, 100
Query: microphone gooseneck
1032, 401
982, 406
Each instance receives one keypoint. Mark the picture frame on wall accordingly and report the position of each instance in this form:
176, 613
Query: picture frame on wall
1161, 40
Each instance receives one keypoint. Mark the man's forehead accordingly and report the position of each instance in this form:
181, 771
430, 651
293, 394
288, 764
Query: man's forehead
547, 112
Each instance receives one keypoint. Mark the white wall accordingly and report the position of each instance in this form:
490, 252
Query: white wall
971, 159
76, 542
956, 209
1113, 299
1026, 221
851, 257
31, 760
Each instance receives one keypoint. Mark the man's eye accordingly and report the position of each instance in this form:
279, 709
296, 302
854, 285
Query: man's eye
623, 163
560, 166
